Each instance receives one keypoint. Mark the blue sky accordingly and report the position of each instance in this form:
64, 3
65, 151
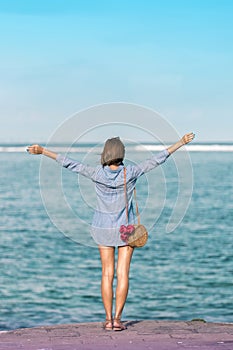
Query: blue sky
62, 56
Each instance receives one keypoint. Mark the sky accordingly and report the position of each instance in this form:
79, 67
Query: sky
62, 56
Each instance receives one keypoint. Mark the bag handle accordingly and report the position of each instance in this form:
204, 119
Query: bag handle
126, 201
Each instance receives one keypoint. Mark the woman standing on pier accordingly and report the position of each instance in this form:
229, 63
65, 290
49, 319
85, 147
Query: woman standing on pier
110, 213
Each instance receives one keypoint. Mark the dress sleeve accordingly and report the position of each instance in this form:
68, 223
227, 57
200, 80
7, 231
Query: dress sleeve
77, 167
149, 164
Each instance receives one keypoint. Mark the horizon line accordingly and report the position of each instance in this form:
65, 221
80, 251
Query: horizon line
146, 142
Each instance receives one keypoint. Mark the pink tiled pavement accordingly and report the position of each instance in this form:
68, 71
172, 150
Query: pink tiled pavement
140, 335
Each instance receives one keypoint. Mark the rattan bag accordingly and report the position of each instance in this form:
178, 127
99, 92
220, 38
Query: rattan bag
135, 235
138, 237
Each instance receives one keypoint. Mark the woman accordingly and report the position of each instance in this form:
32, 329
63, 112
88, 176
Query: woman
110, 213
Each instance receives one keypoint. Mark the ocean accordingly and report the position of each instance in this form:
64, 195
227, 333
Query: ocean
53, 277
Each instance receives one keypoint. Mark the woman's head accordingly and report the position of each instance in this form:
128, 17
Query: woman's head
113, 152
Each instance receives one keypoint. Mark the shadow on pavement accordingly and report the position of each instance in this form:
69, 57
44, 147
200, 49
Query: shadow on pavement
131, 323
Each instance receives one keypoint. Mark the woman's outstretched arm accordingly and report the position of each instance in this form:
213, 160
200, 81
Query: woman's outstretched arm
37, 149
66, 162
183, 141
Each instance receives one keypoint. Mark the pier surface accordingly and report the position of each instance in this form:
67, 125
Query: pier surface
140, 335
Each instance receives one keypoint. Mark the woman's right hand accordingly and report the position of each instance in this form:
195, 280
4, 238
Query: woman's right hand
35, 149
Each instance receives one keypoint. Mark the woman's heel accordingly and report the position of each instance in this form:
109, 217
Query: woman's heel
107, 326
118, 325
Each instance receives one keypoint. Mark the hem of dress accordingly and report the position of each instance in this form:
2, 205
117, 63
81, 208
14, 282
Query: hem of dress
112, 246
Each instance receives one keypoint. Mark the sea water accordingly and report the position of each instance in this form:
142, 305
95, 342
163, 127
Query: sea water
48, 277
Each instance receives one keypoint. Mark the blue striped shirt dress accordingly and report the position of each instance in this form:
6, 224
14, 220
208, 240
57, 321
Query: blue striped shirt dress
110, 212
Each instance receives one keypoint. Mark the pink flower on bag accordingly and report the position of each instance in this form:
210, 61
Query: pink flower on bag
124, 237
130, 229
123, 229
126, 231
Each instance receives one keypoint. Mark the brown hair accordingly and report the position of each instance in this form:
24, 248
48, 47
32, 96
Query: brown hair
113, 152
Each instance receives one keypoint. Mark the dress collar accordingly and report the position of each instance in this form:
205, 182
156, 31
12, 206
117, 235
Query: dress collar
116, 170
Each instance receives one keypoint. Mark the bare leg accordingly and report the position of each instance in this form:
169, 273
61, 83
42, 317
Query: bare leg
123, 266
107, 255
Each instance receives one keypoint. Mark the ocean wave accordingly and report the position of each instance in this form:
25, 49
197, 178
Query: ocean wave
137, 147
58, 149
190, 148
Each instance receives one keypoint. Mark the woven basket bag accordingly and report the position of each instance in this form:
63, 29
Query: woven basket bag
138, 238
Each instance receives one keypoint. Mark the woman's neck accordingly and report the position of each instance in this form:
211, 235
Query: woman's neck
113, 167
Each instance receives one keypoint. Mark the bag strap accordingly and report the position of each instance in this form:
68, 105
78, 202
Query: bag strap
126, 201
136, 202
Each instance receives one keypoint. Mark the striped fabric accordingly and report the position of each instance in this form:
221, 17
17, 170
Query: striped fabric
109, 185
